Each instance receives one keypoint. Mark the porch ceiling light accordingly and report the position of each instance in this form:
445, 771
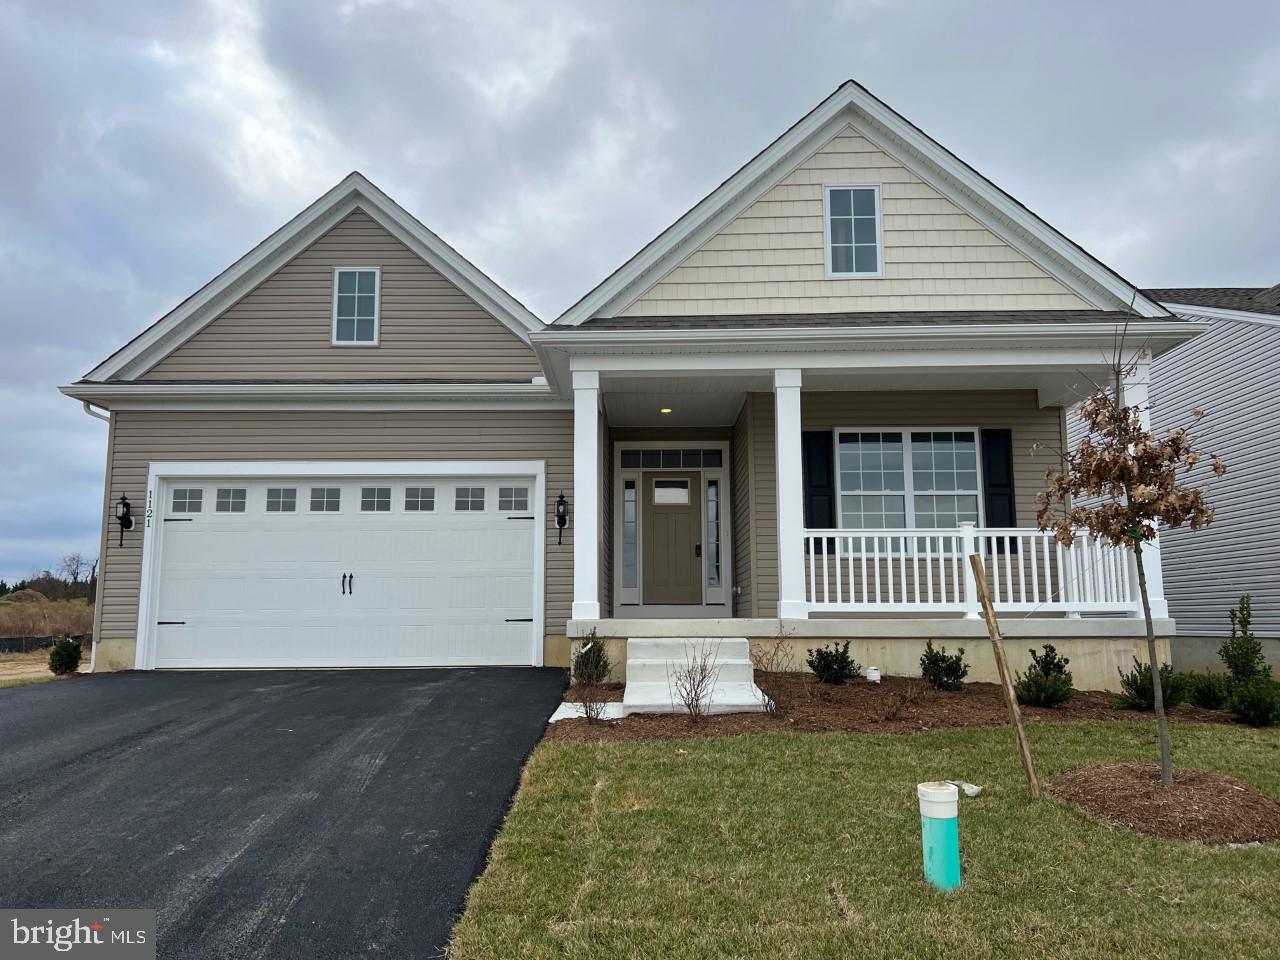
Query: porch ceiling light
665, 410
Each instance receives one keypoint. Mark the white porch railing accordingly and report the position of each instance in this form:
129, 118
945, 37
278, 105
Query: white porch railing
927, 571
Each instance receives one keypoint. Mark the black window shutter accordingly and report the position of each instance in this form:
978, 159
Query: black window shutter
819, 480
997, 478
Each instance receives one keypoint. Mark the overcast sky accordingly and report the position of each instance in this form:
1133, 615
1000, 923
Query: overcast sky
148, 145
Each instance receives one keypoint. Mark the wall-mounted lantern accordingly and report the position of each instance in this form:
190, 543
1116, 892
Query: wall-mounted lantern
562, 517
124, 516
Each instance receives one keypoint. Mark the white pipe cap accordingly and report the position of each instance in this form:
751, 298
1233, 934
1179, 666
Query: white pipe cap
939, 800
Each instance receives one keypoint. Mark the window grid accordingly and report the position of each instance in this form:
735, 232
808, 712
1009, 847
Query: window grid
853, 231
187, 499
419, 498
375, 499
282, 499
629, 517
468, 498
941, 490
230, 500
513, 498
355, 306
326, 499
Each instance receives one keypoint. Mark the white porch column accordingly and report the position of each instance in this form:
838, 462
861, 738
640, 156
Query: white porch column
791, 587
586, 494
1136, 391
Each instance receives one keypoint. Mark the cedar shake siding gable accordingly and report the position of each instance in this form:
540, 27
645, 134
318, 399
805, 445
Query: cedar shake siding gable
282, 329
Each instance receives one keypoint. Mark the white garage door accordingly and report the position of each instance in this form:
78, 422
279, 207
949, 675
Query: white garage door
336, 572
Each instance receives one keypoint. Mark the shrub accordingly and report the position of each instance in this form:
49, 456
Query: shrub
1242, 651
1256, 702
832, 663
591, 663
1047, 681
1137, 692
64, 656
943, 670
1208, 690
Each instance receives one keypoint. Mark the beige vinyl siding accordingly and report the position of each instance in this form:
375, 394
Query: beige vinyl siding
1037, 436
740, 512
141, 437
428, 328
771, 258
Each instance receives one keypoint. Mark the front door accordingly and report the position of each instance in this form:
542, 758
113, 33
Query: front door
672, 538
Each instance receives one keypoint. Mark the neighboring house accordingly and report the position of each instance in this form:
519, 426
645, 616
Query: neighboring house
1229, 372
793, 412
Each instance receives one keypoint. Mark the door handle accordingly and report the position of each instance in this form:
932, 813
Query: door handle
697, 550
344, 584
351, 583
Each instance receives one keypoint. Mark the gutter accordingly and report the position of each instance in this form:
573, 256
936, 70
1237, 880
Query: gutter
93, 646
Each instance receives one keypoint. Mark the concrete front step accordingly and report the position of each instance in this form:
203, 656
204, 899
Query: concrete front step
660, 698
680, 648
660, 671
654, 662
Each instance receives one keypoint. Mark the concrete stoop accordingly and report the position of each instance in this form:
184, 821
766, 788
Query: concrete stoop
653, 665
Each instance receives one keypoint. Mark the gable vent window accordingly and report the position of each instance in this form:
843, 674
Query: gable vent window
355, 306
853, 232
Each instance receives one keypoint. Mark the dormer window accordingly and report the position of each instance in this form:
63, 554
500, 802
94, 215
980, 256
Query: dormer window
355, 306
853, 231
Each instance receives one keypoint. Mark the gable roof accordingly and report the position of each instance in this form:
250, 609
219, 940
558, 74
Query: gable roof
1265, 300
851, 104
353, 192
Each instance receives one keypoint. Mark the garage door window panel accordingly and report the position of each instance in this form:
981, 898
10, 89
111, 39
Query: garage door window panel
188, 499
468, 499
419, 499
282, 499
513, 498
375, 499
326, 499
230, 500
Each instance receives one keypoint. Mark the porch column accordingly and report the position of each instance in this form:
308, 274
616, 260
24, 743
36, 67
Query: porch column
586, 491
791, 586
1136, 392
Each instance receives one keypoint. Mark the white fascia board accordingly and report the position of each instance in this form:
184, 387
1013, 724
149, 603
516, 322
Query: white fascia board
783, 339
309, 396
352, 192
752, 180
1220, 313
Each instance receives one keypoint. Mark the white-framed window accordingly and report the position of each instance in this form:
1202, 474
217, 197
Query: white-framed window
630, 518
282, 499
230, 500
187, 499
714, 508
356, 306
421, 499
375, 499
672, 493
513, 498
853, 231
468, 498
892, 478
326, 499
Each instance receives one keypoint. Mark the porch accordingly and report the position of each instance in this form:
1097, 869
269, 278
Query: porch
844, 494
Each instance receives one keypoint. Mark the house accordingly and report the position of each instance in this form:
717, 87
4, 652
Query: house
1230, 373
792, 414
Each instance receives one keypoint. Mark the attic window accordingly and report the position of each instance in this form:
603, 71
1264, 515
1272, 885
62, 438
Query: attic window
853, 231
355, 306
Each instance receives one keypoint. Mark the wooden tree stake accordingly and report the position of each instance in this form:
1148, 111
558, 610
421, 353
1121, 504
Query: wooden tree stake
1006, 679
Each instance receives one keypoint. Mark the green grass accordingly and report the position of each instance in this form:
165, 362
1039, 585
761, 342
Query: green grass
744, 846
26, 681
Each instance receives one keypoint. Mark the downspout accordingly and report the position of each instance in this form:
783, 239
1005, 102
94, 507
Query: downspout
93, 646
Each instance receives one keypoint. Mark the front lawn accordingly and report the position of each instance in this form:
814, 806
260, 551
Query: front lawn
806, 846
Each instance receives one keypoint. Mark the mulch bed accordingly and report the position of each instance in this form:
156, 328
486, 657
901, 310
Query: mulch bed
895, 705
605, 693
1203, 806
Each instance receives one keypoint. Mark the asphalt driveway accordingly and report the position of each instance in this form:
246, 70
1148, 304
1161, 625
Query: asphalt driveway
266, 814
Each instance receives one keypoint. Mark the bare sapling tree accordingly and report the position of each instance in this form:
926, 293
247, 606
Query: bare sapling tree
693, 681
1120, 483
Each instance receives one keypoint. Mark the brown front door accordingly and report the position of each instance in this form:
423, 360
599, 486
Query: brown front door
672, 543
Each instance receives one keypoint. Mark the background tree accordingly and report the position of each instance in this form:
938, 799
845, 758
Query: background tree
72, 567
1120, 483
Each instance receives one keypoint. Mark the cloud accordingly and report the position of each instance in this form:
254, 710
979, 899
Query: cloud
148, 144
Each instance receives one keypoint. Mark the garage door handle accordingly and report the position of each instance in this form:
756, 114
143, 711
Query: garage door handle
351, 583
344, 584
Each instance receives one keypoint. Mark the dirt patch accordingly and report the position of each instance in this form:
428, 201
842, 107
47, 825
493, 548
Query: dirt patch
19, 666
895, 705
1204, 806
605, 693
